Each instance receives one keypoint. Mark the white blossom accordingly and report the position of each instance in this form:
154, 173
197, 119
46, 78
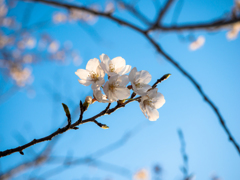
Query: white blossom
92, 75
116, 89
88, 99
234, 31
139, 81
142, 174
149, 104
116, 66
197, 44
99, 96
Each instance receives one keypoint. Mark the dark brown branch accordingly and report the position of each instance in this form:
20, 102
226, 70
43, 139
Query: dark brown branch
94, 12
219, 23
135, 12
163, 11
106, 111
199, 89
213, 25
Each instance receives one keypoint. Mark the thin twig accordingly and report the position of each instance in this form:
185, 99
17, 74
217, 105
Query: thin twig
163, 11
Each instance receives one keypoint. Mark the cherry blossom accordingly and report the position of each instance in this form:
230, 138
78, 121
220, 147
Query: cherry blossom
234, 31
197, 44
92, 75
116, 89
149, 104
116, 66
139, 81
99, 96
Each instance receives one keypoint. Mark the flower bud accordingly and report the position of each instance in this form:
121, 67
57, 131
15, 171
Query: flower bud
104, 126
88, 100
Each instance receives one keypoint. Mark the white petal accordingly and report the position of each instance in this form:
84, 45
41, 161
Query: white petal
99, 96
106, 88
100, 71
104, 58
113, 79
132, 74
143, 90
122, 93
152, 93
158, 101
152, 114
123, 80
84, 82
142, 107
92, 65
97, 84
104, 67
145, 77
82, 74
125, 70
119, 63
112, 97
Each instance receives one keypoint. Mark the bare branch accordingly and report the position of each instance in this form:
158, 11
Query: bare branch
163, 11
218, 24
39, 160
135, 12
213, 25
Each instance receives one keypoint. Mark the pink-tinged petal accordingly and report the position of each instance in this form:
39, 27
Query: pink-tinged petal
82, 74
123, 80
92, 65
159, 101
152, 114
125, 70
145, 77
119, 63
132, 74
122, 93
84, 82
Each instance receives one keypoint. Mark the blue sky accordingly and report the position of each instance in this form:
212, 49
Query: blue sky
215, 66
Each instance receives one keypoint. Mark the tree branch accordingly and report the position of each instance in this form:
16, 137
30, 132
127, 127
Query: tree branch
106, 111
219, 23
163, 12
213, 25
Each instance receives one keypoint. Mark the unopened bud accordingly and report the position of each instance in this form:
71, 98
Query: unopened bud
88, 100
65, 107
104, 126
166, 76
121, 101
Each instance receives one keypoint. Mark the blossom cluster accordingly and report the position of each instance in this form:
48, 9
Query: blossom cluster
116, 87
